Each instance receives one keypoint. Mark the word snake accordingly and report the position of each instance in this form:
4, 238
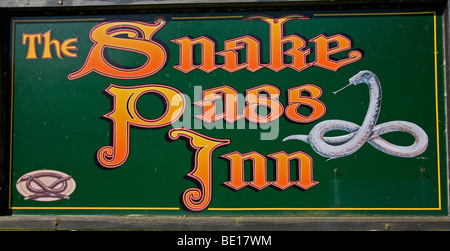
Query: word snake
341, 146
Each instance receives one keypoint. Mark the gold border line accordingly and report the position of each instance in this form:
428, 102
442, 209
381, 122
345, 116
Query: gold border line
57, 20
437, 109
210, 17
322, 209
99, 208
237, 209
375, 14
13, 35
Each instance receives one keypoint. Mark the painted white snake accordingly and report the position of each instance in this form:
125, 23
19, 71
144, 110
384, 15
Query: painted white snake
340, 146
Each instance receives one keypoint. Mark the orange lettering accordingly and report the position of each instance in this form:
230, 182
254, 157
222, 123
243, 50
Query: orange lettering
278, 40
187, 54
324, 51
254, 100
237, 170
304, 168
259, 170
139, 40
297, 99
125, 114
282, 47
229, 97
197, 199
231, 54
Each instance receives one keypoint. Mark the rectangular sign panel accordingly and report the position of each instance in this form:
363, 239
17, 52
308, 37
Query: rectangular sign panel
255, 113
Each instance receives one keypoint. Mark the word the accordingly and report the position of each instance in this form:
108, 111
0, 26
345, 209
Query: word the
65, 48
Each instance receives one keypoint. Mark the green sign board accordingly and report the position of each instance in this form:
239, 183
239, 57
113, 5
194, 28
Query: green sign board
255, 113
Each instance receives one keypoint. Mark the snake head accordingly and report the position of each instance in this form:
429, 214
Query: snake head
361, 77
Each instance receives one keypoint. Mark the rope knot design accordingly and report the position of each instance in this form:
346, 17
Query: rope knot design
46, 185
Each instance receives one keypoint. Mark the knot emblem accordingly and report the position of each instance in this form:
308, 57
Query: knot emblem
46, 185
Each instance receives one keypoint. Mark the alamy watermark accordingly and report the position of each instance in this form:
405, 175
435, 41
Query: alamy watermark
191, 117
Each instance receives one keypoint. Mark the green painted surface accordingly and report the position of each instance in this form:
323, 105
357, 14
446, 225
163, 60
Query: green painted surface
58, 125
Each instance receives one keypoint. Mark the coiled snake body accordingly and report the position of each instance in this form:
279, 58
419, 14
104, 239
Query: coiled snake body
340, 146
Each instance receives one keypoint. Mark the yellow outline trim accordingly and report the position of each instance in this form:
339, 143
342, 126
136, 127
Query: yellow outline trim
375, 14
438, 156
100, 208
210, 17
238, 209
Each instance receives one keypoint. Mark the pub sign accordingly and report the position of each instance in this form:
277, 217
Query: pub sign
243, 113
